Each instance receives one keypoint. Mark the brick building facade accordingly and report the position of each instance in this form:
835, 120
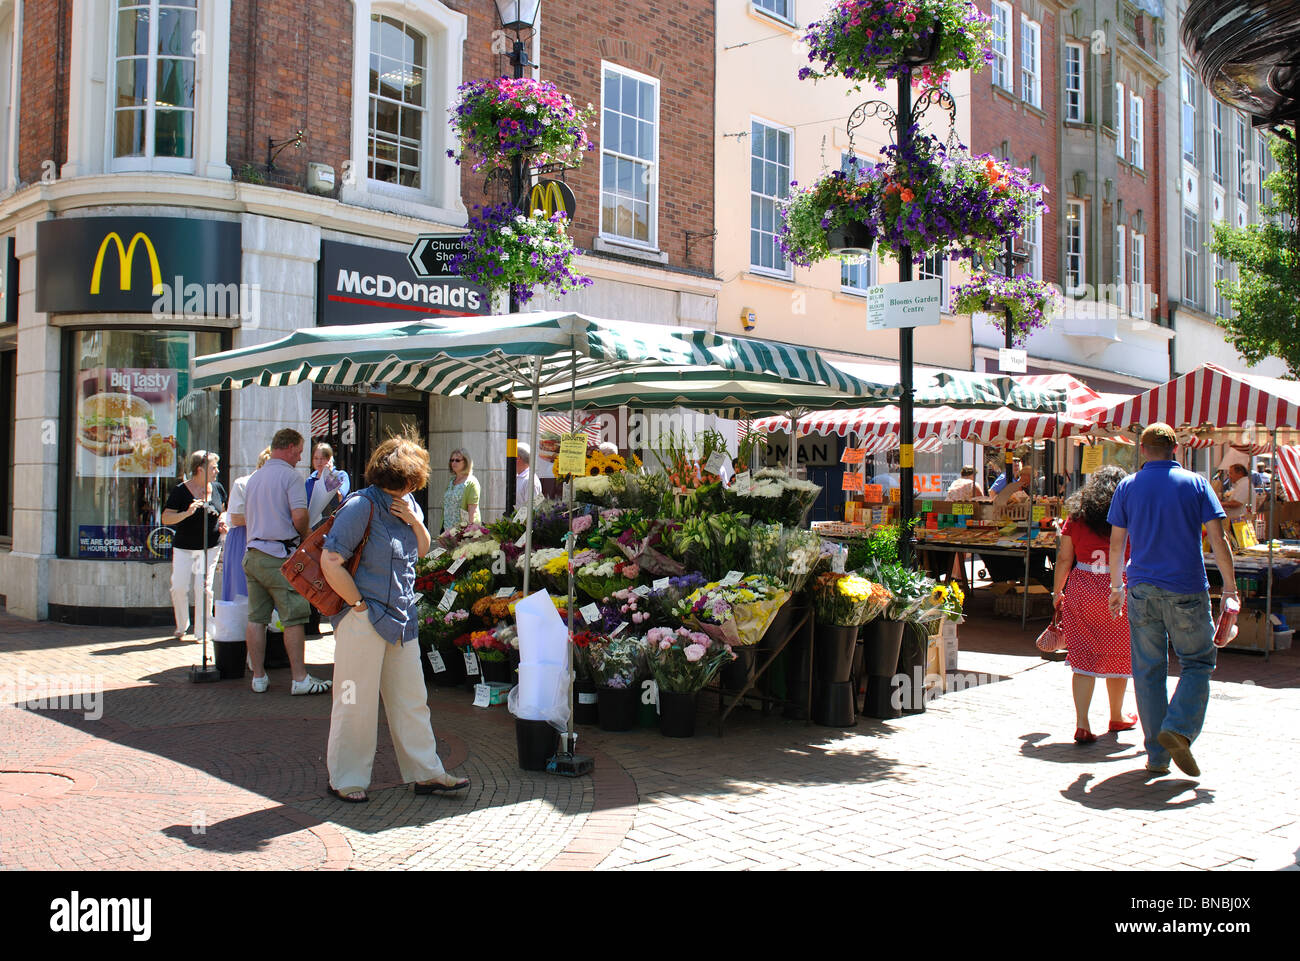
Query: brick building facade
161, 112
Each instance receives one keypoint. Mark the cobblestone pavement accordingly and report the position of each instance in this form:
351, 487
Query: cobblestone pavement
182, 776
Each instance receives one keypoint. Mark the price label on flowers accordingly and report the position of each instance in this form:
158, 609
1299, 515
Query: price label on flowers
437, 552
471, 662
573, 454
641, 590
523, 539
618, 630
505, 592
742, 479
456, 565
482, 695
718, 461
733, 578
448, 599
660, 584
436, 662
590, 613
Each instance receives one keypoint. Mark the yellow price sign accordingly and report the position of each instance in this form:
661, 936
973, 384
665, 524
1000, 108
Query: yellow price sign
895, 495
1038, 513
906, 455
1091, 458
572, 458
963, 509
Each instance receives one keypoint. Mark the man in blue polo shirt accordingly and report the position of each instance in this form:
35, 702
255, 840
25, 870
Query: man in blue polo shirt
1160, 510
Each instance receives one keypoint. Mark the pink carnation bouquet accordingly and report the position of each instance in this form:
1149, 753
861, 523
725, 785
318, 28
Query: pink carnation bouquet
682, 660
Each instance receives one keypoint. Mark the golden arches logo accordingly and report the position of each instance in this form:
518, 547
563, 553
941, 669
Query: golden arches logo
549, 196
125, 256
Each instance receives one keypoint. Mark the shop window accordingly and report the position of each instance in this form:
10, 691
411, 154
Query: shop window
154, 69
131, 421
397, 148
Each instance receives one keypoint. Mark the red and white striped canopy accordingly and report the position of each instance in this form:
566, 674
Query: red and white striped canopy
559, 424
1210, 397
980, 426
1288, 470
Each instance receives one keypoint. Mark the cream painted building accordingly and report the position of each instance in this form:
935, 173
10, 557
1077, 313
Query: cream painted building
773, 129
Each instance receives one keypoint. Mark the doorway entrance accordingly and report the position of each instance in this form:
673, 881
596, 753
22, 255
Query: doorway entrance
356, 420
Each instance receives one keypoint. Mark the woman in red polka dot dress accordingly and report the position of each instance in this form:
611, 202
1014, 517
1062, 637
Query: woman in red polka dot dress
1098, 644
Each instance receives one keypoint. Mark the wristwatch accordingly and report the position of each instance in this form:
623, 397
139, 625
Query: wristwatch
358, 604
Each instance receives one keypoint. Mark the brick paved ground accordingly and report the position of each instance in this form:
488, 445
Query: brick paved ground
185, 776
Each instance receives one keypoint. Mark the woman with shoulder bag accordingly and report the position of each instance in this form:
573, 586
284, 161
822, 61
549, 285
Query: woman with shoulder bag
1098, 644
375, 637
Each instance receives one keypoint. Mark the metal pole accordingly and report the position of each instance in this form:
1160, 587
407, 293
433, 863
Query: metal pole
905, 448
1272, 505
569, 541
517, 58
532, 467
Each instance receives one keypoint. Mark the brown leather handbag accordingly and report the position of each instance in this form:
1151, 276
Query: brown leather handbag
303, 568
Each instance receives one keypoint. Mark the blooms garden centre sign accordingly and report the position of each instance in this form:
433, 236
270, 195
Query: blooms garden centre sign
914, 303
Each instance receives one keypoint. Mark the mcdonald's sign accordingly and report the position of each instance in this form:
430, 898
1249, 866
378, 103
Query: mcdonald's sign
550, 197
123, 264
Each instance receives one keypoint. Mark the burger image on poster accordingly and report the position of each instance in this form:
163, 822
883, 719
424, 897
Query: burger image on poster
127, 432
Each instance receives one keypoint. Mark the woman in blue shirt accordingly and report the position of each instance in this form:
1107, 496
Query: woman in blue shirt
374, 638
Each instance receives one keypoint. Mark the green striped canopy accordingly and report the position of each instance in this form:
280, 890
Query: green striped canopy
500, 358
936, 387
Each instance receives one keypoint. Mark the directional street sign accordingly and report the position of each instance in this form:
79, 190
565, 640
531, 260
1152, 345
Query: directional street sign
431, 254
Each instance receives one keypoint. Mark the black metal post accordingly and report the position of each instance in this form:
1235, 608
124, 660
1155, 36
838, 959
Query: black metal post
1008, 270
517, 60
905, 449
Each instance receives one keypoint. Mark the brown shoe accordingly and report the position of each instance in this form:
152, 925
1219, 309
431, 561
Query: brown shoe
1180, 749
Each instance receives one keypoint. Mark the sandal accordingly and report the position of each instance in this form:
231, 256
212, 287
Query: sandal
1083, 736
342, 795
1129, 722
437, 787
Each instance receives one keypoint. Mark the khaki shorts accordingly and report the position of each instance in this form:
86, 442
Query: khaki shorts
269, 589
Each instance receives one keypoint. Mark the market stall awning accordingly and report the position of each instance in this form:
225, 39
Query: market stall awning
1210, 399
498, 358
937, 387
1288, 470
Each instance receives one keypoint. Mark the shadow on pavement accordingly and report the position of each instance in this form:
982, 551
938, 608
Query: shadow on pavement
1105, 748
1135, 791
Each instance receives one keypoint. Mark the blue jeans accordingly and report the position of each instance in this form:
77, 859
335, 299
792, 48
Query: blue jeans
1158, 618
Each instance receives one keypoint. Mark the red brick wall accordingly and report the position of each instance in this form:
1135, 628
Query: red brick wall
43, 112
998, 114
672, 41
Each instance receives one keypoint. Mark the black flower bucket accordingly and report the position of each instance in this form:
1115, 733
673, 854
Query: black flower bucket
850, 240
924, 50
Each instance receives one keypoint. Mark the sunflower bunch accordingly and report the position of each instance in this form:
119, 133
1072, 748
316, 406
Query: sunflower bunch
599, 462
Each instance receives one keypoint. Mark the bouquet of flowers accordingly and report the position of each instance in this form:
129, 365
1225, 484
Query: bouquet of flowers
774, 496
493, 610
477, 554
847, 600
1033, 303
735, 614
431, 572
582, 642
788, 555
908, 589
713, 544
471, 587
506, 532
501, 119
873, 41
683, 661
492, 646
618, 662
941, 602
592, 489
599, 579
437, 628
641, 544
463, 533
632, 607
662, 604
505, 250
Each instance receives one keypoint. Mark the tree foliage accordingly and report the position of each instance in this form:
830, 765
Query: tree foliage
1265, 300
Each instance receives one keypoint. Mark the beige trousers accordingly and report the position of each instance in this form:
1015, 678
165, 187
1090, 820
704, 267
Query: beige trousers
365, 667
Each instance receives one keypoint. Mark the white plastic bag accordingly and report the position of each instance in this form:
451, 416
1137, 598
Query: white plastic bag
231, 619
543, 692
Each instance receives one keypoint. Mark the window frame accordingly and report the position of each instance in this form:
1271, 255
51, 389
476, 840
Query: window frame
1138, 275
1189, 116
1242, 141
653, 182
1192, 289
1216, 140
1137, 131
1121, 273
445, 32
1031, 34
787, 17
150, 161
788, 272
423, 169
1074, 110
1006, 59
1121, 108
1081, 255
922, 271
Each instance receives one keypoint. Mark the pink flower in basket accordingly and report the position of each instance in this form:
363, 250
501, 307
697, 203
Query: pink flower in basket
694, 652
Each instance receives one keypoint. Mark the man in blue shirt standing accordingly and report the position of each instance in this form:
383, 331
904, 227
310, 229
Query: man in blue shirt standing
1160, 511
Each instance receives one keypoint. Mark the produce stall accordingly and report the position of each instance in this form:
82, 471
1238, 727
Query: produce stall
1213, 407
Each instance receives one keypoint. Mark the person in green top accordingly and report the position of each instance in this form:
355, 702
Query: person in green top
460, 502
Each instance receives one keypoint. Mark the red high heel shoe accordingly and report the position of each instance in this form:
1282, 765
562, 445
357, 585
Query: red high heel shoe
1127, 725
1083, 736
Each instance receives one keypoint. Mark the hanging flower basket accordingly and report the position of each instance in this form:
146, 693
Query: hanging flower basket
502, 118
1032, 303
850, 240
873, 41
504, 250
928, 198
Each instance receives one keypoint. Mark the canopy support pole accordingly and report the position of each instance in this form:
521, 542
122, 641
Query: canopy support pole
1272, 505
532, 467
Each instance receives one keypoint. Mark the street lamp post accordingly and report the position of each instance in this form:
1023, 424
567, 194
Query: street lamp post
516, 16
